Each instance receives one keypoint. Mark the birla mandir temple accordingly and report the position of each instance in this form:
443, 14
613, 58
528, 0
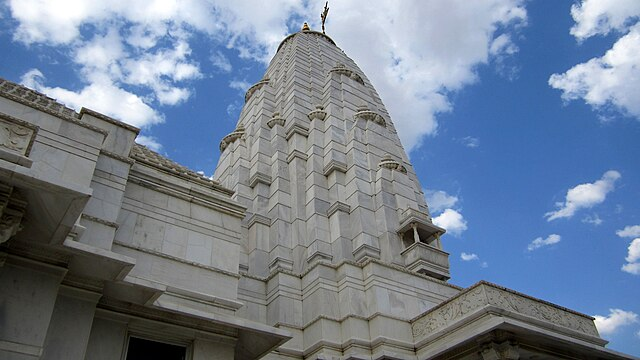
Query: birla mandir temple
312, 240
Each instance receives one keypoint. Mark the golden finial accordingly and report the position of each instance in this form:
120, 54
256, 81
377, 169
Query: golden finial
323, 15
305, 27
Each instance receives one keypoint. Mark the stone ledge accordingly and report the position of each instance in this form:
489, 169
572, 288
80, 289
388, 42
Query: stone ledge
338, 206
109, 120
259, 177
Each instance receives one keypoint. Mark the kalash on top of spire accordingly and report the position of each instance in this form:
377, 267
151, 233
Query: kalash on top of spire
316, 160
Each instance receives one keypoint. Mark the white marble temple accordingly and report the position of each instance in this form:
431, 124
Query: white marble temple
314, 241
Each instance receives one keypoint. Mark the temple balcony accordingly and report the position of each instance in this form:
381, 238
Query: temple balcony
423, 250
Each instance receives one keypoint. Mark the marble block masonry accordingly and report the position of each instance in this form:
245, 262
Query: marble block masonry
313, 241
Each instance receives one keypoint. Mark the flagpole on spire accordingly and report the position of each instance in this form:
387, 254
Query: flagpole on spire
323, 15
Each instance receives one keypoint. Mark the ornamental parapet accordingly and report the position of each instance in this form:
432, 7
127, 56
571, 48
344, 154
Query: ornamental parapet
484, 297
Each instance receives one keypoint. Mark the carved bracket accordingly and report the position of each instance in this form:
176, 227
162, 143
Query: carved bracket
388, 162
235, 135
343, 70
366, 114
275, 120
318, 113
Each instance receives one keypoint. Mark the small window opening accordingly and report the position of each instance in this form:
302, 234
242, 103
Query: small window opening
142, 349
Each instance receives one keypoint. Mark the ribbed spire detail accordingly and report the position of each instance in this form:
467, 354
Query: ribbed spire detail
318, 163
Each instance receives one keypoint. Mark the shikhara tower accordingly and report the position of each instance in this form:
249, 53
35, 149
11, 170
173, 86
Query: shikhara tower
317, 161
337, 232
314, 241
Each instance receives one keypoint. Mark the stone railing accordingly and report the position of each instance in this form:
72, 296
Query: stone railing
427, 260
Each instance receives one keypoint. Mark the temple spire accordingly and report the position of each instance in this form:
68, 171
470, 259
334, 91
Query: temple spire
317, 161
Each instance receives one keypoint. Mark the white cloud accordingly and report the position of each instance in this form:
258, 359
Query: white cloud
470, 141
502, 45
427, 65
604, 82
452, 221
616, 319
102, 96
584, 196
468, 257
221, 62
240, 85
150, 142
629, 231
439, 200
142, 43
160, 70
473, 257
633, 258
631, 268
592, 219
599, 17
634, 251
540, 242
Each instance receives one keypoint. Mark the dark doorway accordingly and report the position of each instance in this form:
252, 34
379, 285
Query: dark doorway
142, 349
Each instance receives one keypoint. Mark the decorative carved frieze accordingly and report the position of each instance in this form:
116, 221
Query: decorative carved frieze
143, 155
364, 113
16, 140
343, 70
235, 135
16, 137
255, 88
276, 119
318, 113
483, 295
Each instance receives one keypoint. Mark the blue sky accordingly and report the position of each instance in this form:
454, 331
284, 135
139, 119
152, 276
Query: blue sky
522, 118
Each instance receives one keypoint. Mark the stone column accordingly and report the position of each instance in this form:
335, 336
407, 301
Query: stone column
71, 322
30, 290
